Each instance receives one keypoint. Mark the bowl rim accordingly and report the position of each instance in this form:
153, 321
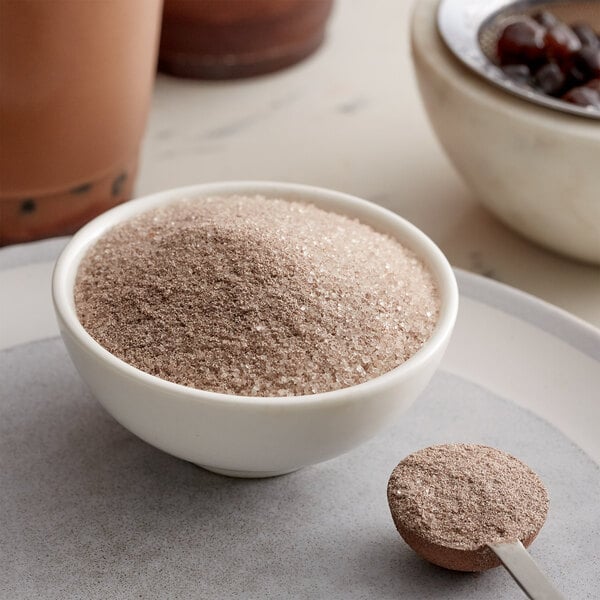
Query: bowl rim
66, 266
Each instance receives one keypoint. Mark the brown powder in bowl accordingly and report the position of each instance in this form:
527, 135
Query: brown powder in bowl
255, 296
448, 502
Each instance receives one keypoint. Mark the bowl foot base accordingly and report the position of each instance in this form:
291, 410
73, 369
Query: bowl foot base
246, 474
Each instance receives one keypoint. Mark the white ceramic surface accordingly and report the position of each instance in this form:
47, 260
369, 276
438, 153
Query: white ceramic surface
535, 168
244, 436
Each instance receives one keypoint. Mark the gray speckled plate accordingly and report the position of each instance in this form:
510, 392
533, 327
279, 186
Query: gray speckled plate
90, 511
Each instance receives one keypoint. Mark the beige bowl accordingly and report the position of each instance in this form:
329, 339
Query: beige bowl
536, 169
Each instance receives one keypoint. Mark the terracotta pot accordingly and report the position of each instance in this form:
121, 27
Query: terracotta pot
217, 39
76, 83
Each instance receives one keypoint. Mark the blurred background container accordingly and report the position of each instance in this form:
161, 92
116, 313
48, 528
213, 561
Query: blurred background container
533, 167
75, 84
216, 39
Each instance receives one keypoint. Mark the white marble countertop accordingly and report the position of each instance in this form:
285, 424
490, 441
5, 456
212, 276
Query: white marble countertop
350, 118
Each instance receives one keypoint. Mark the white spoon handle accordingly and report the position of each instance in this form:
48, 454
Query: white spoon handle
525, 571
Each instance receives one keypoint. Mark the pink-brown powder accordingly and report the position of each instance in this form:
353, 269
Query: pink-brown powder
255, 296
465, 496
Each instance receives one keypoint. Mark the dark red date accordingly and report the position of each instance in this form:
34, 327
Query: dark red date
552, 57
561, 42
521, 42
587, 36
583, 96
550, 79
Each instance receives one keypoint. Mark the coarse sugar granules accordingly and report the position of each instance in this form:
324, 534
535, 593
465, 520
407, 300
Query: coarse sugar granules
255, 296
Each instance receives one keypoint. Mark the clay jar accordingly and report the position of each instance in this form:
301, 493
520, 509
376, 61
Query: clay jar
216, 39
76, 79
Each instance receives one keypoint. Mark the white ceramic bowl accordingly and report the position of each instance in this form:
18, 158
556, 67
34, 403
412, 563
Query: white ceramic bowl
246, 436
536, 169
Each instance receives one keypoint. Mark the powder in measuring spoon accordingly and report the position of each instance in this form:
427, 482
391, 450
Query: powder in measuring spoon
449, 501
255, 296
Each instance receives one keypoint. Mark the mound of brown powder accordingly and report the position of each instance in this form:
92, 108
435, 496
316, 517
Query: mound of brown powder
450, 501
255, 296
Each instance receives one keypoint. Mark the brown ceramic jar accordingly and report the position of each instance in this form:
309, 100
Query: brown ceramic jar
224, 39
